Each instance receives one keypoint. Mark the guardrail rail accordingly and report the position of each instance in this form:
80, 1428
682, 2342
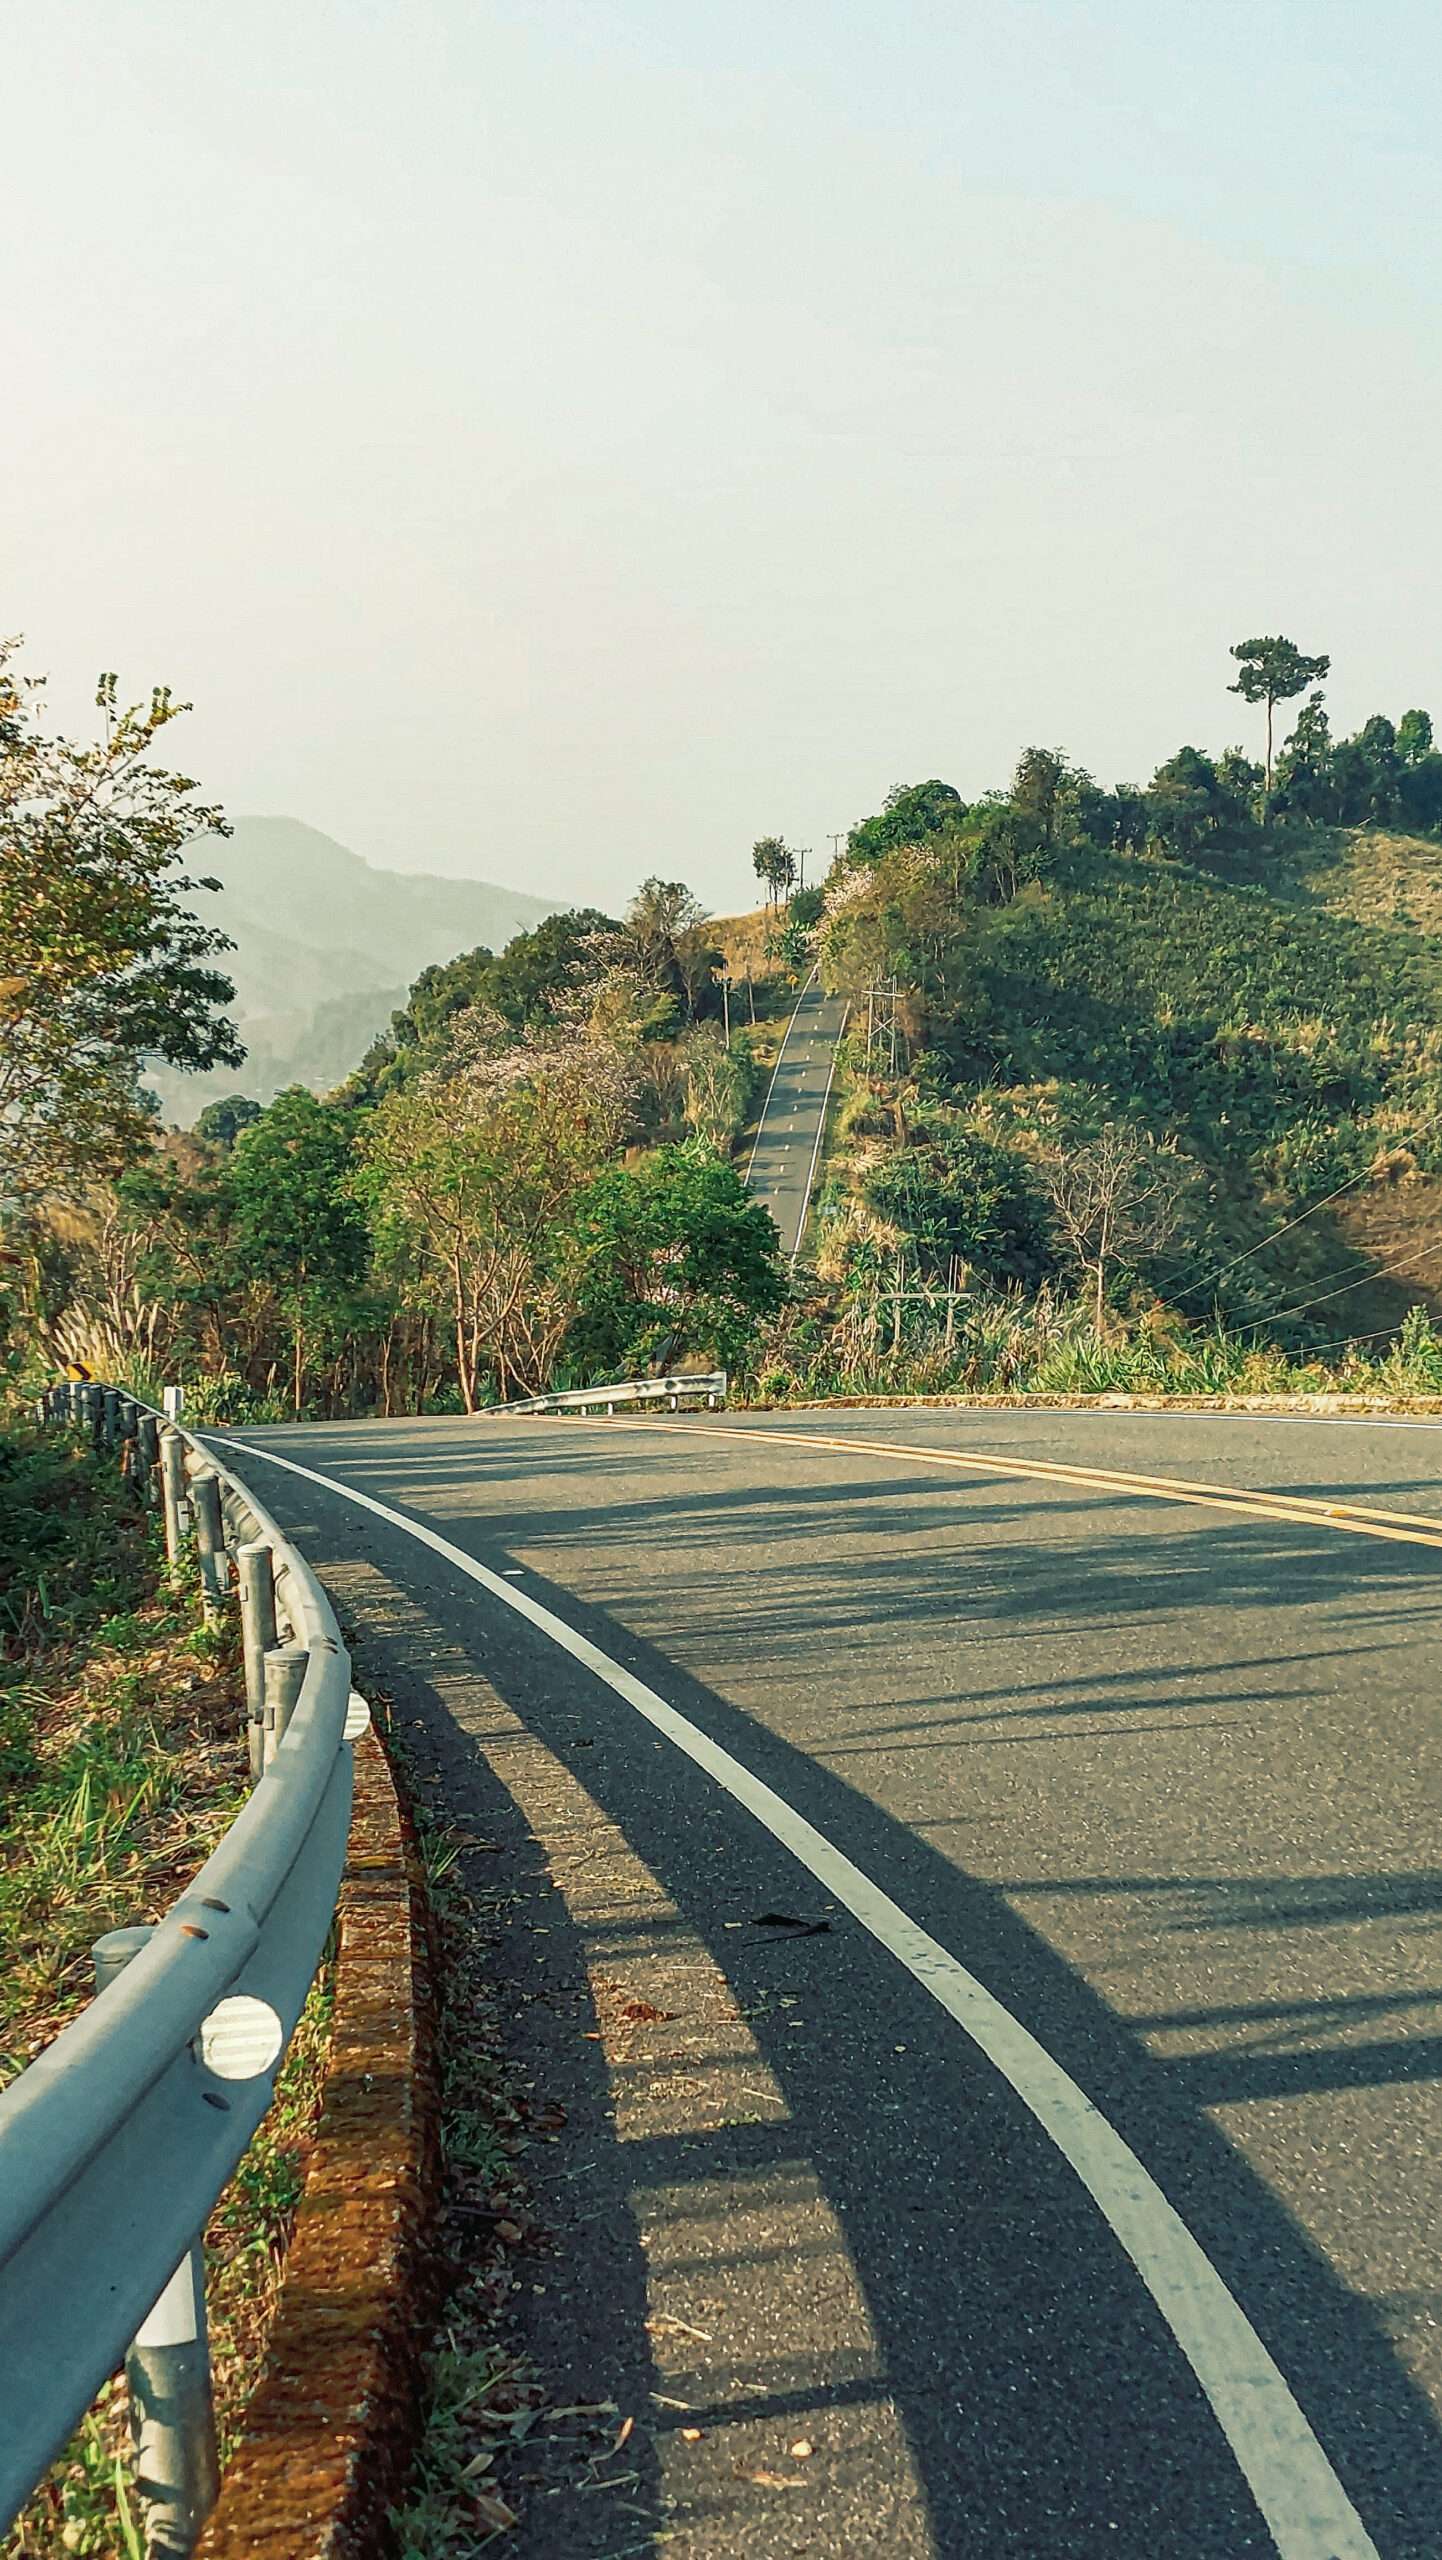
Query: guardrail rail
672, 1392
118, 2139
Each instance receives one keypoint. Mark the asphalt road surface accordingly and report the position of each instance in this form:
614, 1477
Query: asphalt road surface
788, 1140
972, 1930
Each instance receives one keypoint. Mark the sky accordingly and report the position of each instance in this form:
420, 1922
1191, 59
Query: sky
565, 441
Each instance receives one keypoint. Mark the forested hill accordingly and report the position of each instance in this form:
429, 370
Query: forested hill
326, 946
1265, 1006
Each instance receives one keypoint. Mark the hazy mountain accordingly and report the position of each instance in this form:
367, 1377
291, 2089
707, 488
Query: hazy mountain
326, 948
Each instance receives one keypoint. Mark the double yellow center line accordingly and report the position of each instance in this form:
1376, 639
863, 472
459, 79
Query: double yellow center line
1417, 1529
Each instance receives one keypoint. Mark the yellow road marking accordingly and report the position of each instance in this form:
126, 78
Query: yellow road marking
1416, 1529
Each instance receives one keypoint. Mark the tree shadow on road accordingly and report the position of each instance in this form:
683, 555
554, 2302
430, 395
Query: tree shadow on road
1010, 2332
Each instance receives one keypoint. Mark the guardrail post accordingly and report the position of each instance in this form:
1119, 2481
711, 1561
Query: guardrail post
128, 1439
284, 1674
109, 1416
148, 1438
94, 1414
255, 1571
167, 2368
172, 1478
210, 1544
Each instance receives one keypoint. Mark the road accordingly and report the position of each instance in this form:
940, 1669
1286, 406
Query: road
969, 1883
793, 1120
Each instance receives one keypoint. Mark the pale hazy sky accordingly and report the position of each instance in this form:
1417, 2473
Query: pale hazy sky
567, 440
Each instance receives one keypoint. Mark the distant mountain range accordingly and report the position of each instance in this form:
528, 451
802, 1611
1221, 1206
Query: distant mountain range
326, 948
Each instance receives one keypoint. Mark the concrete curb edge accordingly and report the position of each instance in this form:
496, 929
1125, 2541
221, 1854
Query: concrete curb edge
328, 2433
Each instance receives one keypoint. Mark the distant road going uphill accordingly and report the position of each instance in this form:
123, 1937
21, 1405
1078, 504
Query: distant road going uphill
787, 1152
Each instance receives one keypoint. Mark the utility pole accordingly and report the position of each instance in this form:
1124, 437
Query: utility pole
726, 1004
882, 996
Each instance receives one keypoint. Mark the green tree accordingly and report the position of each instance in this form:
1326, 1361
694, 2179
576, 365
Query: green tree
1377, 740
911, 813
221, 1123
471, 1174
526, 980
101, 961
416, 1033
1191, 810
1306, 776
665, 931
1273, 671
773, 862
675, 1257
1414, 736
1037, 788
297, 1223
1422, 793
718, 1083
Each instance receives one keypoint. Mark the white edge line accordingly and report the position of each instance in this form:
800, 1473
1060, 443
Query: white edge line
1306, 2509
776, 1070
820, 1132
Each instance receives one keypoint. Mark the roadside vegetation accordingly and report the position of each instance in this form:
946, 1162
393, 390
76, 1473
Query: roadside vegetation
122, 1761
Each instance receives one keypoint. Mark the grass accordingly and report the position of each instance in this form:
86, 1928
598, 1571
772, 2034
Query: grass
1017, 1345
122, 1761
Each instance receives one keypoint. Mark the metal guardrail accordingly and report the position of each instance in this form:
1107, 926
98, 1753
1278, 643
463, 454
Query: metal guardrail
710, 1390
117, 2140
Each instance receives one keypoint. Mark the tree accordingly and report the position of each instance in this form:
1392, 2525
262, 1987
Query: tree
665, 934
1191, 810
1306, 776
297, 1223
773, 862
101, 962
1377, 743
1273, 671
1120, 1194
911, 812
1036, 790
718, 1082
471, 1174
541, 968
674, 1257
221, 1123
1414, 736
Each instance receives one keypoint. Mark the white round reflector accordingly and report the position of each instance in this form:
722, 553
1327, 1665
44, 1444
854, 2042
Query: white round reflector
240, 2038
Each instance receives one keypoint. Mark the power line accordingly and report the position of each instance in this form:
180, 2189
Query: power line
1341, 1341
1277, 1232
1372, 1271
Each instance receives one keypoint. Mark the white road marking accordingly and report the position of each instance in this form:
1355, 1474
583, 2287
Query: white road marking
820, 1134
1306, 2509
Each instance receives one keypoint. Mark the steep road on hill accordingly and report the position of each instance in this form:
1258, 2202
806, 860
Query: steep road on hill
787, 1151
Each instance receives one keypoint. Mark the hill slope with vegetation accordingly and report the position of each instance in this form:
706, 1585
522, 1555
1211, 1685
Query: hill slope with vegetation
1182, 1046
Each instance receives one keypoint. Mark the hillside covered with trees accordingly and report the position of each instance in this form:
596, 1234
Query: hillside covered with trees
1141, 1086
1177, 1048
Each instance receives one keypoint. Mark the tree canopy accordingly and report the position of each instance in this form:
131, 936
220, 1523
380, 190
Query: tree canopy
1274, 670
102, 962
